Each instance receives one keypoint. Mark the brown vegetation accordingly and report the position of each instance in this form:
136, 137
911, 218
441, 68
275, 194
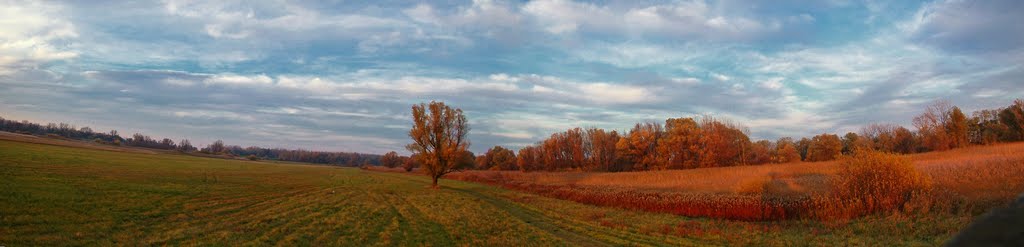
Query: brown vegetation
962, 180
390, 160
870, 182
497, 158
687, 143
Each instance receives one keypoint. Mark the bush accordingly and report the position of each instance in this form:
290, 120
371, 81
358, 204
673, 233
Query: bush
872, 182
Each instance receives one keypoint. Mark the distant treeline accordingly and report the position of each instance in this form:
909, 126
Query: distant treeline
684, 143
218, 147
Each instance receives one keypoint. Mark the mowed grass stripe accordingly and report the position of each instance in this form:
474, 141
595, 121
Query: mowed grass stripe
493, 225
301, 223
568, 230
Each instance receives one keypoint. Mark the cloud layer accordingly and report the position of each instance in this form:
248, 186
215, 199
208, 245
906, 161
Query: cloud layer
326, 76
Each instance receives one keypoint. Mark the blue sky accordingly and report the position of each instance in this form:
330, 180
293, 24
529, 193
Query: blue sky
341, 76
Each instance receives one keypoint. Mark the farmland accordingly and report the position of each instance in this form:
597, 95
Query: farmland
73, 195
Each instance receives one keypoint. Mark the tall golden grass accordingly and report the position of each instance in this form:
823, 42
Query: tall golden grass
973, 178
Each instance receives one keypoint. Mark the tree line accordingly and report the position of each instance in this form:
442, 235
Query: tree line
706, 141
68, 131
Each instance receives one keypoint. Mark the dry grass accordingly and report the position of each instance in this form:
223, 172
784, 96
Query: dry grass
719, 180
977, 177
986, 176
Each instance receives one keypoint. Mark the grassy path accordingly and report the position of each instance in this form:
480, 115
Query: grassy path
568, 230
538, 220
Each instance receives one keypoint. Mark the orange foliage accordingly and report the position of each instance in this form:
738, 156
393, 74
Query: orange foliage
390, 160
975, 177
723, 143
824, 147
786, 151
640, 146
870, 182
680, 145
439, 139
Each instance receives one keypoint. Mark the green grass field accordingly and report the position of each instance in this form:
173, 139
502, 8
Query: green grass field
55, 195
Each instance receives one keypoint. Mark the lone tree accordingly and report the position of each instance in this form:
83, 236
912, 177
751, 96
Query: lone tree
439, 138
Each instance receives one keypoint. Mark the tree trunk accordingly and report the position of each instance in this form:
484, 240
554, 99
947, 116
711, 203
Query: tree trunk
435, 182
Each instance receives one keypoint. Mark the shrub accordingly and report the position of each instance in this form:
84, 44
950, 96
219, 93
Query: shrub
870, 182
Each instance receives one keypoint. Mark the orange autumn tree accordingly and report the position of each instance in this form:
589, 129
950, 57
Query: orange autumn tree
931, 126
599, 145
391, 159
497, 158
439, 138
722, 142
529, 158
786, 151
680, 146
640, 145
825, 147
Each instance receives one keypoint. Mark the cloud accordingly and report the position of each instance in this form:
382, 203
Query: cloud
238, 20
638, 55
970, 26
219, 104
330, 76
683, 19
773, 83
33, 34
239, 80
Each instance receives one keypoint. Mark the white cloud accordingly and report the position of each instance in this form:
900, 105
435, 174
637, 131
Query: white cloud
513, 135
687, 19
213, 114
594, 92
973, 26
552, 88
612, 93
33, 33
239, 20
639, 55
238, 80
423, 13
720, 77
563, 16
844, 66
495, 20
773, 83
688, 81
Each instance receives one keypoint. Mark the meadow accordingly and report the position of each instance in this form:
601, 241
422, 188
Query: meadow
61, 194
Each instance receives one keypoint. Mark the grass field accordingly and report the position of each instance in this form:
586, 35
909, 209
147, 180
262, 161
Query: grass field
58, 195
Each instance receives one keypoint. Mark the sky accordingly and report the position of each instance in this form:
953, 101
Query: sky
343, 75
